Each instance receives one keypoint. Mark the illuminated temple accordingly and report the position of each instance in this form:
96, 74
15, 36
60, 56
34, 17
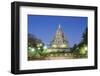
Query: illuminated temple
59, 42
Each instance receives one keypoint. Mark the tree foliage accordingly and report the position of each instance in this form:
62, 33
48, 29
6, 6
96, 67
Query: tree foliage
33, 41
37, 45
80, 49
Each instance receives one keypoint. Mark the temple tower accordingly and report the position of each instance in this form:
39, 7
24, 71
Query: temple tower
59, 42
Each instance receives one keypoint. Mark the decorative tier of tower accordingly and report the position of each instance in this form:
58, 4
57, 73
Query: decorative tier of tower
59, 42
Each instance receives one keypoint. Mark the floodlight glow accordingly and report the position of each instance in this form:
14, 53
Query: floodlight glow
32, 49
63, 46
38, 48
29, 47
45, 47
40, 44
54, 46
85, 48
49, 50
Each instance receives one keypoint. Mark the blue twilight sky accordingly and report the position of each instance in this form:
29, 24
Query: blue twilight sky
44, 27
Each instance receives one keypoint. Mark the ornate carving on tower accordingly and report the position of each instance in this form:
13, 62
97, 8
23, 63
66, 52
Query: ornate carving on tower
59, 42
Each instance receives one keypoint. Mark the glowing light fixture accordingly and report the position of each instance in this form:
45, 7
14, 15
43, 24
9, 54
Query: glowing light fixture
54, 46
38, 48
32, 49
63, 46
29, 47
45, 47
85, 48
40, 44
49, 50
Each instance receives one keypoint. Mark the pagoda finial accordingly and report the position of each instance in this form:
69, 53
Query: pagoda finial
59, 25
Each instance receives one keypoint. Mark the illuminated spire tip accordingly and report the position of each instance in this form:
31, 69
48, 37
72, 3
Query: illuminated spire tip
59, 25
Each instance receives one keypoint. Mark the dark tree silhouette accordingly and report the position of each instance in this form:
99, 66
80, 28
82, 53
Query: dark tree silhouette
77, 49
85, 36
33, 41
